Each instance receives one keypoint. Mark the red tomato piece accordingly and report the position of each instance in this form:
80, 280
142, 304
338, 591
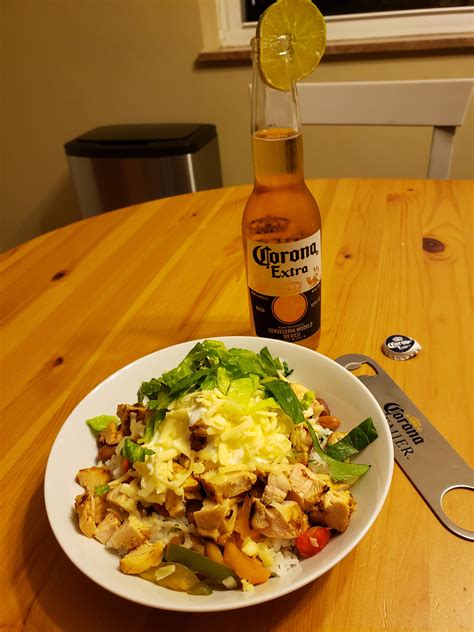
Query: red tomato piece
312, 541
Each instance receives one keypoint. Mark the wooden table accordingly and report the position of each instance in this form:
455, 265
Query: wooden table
82, 301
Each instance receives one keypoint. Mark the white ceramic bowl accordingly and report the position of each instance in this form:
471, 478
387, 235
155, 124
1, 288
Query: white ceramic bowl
75, 448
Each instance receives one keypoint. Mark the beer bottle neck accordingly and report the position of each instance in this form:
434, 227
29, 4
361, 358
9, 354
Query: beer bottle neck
277, 144
278, 158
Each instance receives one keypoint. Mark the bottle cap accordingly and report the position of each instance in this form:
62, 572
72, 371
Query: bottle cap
400, 347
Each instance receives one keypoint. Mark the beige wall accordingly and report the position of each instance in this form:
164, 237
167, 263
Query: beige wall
71, 65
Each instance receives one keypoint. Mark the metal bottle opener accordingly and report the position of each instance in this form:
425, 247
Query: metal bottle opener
431, 464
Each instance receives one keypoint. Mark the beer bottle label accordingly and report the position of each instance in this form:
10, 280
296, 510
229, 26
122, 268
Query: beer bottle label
285, 287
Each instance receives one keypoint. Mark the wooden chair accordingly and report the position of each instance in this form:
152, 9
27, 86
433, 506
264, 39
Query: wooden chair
441, 104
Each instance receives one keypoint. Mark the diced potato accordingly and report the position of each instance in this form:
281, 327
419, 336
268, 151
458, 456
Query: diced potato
142, 558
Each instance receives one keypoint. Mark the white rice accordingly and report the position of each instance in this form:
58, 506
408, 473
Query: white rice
285, 562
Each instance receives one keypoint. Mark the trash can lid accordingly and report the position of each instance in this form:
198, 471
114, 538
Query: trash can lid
141, 140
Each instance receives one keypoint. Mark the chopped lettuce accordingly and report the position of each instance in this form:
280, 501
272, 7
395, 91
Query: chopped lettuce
100, 423
241, 390
210, 365
100, 490
223, 379
308, 399
264, 404
188, 383
134, 452
154, 419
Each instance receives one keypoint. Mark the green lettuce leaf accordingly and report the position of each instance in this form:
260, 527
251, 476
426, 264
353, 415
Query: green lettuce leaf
241, 390
264, 404
223, 379
210, 365
285, 396
188, 382
100, 423
134, 452
100, 490
155, 389
153, 421
355, 441
308, 399
242, 362
341, 472
269, 364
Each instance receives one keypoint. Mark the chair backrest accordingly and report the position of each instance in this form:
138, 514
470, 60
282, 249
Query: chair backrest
441, 104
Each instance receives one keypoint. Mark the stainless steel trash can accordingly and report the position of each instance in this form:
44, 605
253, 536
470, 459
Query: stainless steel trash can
119, 165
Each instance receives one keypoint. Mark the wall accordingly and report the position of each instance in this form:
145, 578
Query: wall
71, 65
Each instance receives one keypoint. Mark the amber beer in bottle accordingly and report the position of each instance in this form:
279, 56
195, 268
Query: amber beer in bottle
281, 224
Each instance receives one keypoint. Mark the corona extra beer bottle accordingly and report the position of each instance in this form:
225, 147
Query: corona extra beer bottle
281, 225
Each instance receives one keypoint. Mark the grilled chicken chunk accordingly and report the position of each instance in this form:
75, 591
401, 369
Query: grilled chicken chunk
92, 477
283, 520
276, 489
229, 485
334, 509
174, 505
301, 439
106, 452
129, 535
216, 521
91, 510
107, 527
192, 489
111, 435
122, 501
123, 413
85, 508
306, 487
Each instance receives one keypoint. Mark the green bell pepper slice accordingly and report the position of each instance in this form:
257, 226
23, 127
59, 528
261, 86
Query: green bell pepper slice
201, 564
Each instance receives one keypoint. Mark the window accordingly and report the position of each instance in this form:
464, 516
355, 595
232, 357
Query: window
252, 9
363, 20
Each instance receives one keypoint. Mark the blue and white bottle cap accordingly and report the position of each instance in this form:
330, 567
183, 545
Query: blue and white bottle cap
399, 347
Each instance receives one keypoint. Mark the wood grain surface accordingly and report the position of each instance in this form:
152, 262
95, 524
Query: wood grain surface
82, 301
